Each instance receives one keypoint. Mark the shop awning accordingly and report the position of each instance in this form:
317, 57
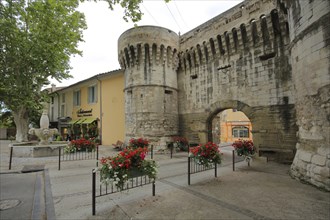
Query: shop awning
80, 121
88, 120
74, 121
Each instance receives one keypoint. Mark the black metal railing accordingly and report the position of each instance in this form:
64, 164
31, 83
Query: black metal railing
234, 160
104, 190
172, 148
77, 155
195, 167
11, 157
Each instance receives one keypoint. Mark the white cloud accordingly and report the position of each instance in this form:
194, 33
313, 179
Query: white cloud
105, 26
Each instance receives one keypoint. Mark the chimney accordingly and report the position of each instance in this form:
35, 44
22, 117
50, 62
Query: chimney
53, 87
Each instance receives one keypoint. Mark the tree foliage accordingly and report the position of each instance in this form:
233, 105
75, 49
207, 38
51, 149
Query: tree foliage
131, 8
6, 119
36, 41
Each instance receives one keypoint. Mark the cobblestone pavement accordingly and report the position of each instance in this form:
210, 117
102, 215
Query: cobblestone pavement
259, 191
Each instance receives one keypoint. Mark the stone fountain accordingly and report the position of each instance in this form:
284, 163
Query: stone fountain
44, 132
43, 148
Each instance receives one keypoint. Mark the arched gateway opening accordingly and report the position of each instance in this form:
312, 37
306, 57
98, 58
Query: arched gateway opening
229, 125
228, 121
273, 132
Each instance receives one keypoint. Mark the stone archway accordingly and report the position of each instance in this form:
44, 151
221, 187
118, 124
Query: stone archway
273, 126
219, 106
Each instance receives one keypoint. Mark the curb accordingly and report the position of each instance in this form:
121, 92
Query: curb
50, 209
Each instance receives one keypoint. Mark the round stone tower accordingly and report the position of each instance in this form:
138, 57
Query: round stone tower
309, 33
149, 56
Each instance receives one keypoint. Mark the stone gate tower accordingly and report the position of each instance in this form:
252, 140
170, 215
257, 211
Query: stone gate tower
148, 54
310, 52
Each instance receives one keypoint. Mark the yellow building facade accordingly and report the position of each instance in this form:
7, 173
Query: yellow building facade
91, 108
112, 114
234, 125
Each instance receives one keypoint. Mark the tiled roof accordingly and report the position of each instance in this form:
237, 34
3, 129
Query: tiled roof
85, 80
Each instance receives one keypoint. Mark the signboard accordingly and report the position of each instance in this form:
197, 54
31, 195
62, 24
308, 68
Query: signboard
84, 113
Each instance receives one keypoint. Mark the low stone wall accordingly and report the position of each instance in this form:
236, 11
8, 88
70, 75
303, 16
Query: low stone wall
30, 149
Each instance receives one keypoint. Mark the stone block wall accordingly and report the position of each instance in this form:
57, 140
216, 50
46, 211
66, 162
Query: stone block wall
310, 53
266, 58
243, 59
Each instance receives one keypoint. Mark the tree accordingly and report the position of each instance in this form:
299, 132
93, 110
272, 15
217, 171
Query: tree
37, 38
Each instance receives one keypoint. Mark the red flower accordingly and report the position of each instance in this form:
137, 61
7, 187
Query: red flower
205, 153
244, 147
140, 142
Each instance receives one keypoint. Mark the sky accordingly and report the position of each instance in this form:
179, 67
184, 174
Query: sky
104, 27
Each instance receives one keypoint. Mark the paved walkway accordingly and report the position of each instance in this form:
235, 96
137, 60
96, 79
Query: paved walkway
260, 191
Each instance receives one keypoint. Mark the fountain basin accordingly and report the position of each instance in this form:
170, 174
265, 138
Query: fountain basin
33, 149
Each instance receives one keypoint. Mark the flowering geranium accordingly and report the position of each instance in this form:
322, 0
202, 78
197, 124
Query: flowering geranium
136, 156
81, 145
206, 154
182, 142
244, 147
140, 142
117, 170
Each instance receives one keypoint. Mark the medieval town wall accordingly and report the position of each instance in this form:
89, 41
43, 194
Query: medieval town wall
240, 56
266, 58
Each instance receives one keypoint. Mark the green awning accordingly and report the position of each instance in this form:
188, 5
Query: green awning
80, 121
74, 121
88, 120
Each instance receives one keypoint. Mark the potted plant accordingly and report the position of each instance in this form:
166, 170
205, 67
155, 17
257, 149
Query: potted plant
129, 163
138, 142
244, 148
181, 143
81, 144
206, 154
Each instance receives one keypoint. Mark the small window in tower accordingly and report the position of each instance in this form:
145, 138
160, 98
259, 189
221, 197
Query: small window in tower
168, 91
194, 76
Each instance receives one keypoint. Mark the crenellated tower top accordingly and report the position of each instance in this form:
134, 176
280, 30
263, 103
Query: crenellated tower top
148, 44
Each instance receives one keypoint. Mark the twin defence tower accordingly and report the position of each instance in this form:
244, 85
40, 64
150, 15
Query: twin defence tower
149, 56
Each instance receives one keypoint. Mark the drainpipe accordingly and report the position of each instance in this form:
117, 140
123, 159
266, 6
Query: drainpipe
58, 112
101, 114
